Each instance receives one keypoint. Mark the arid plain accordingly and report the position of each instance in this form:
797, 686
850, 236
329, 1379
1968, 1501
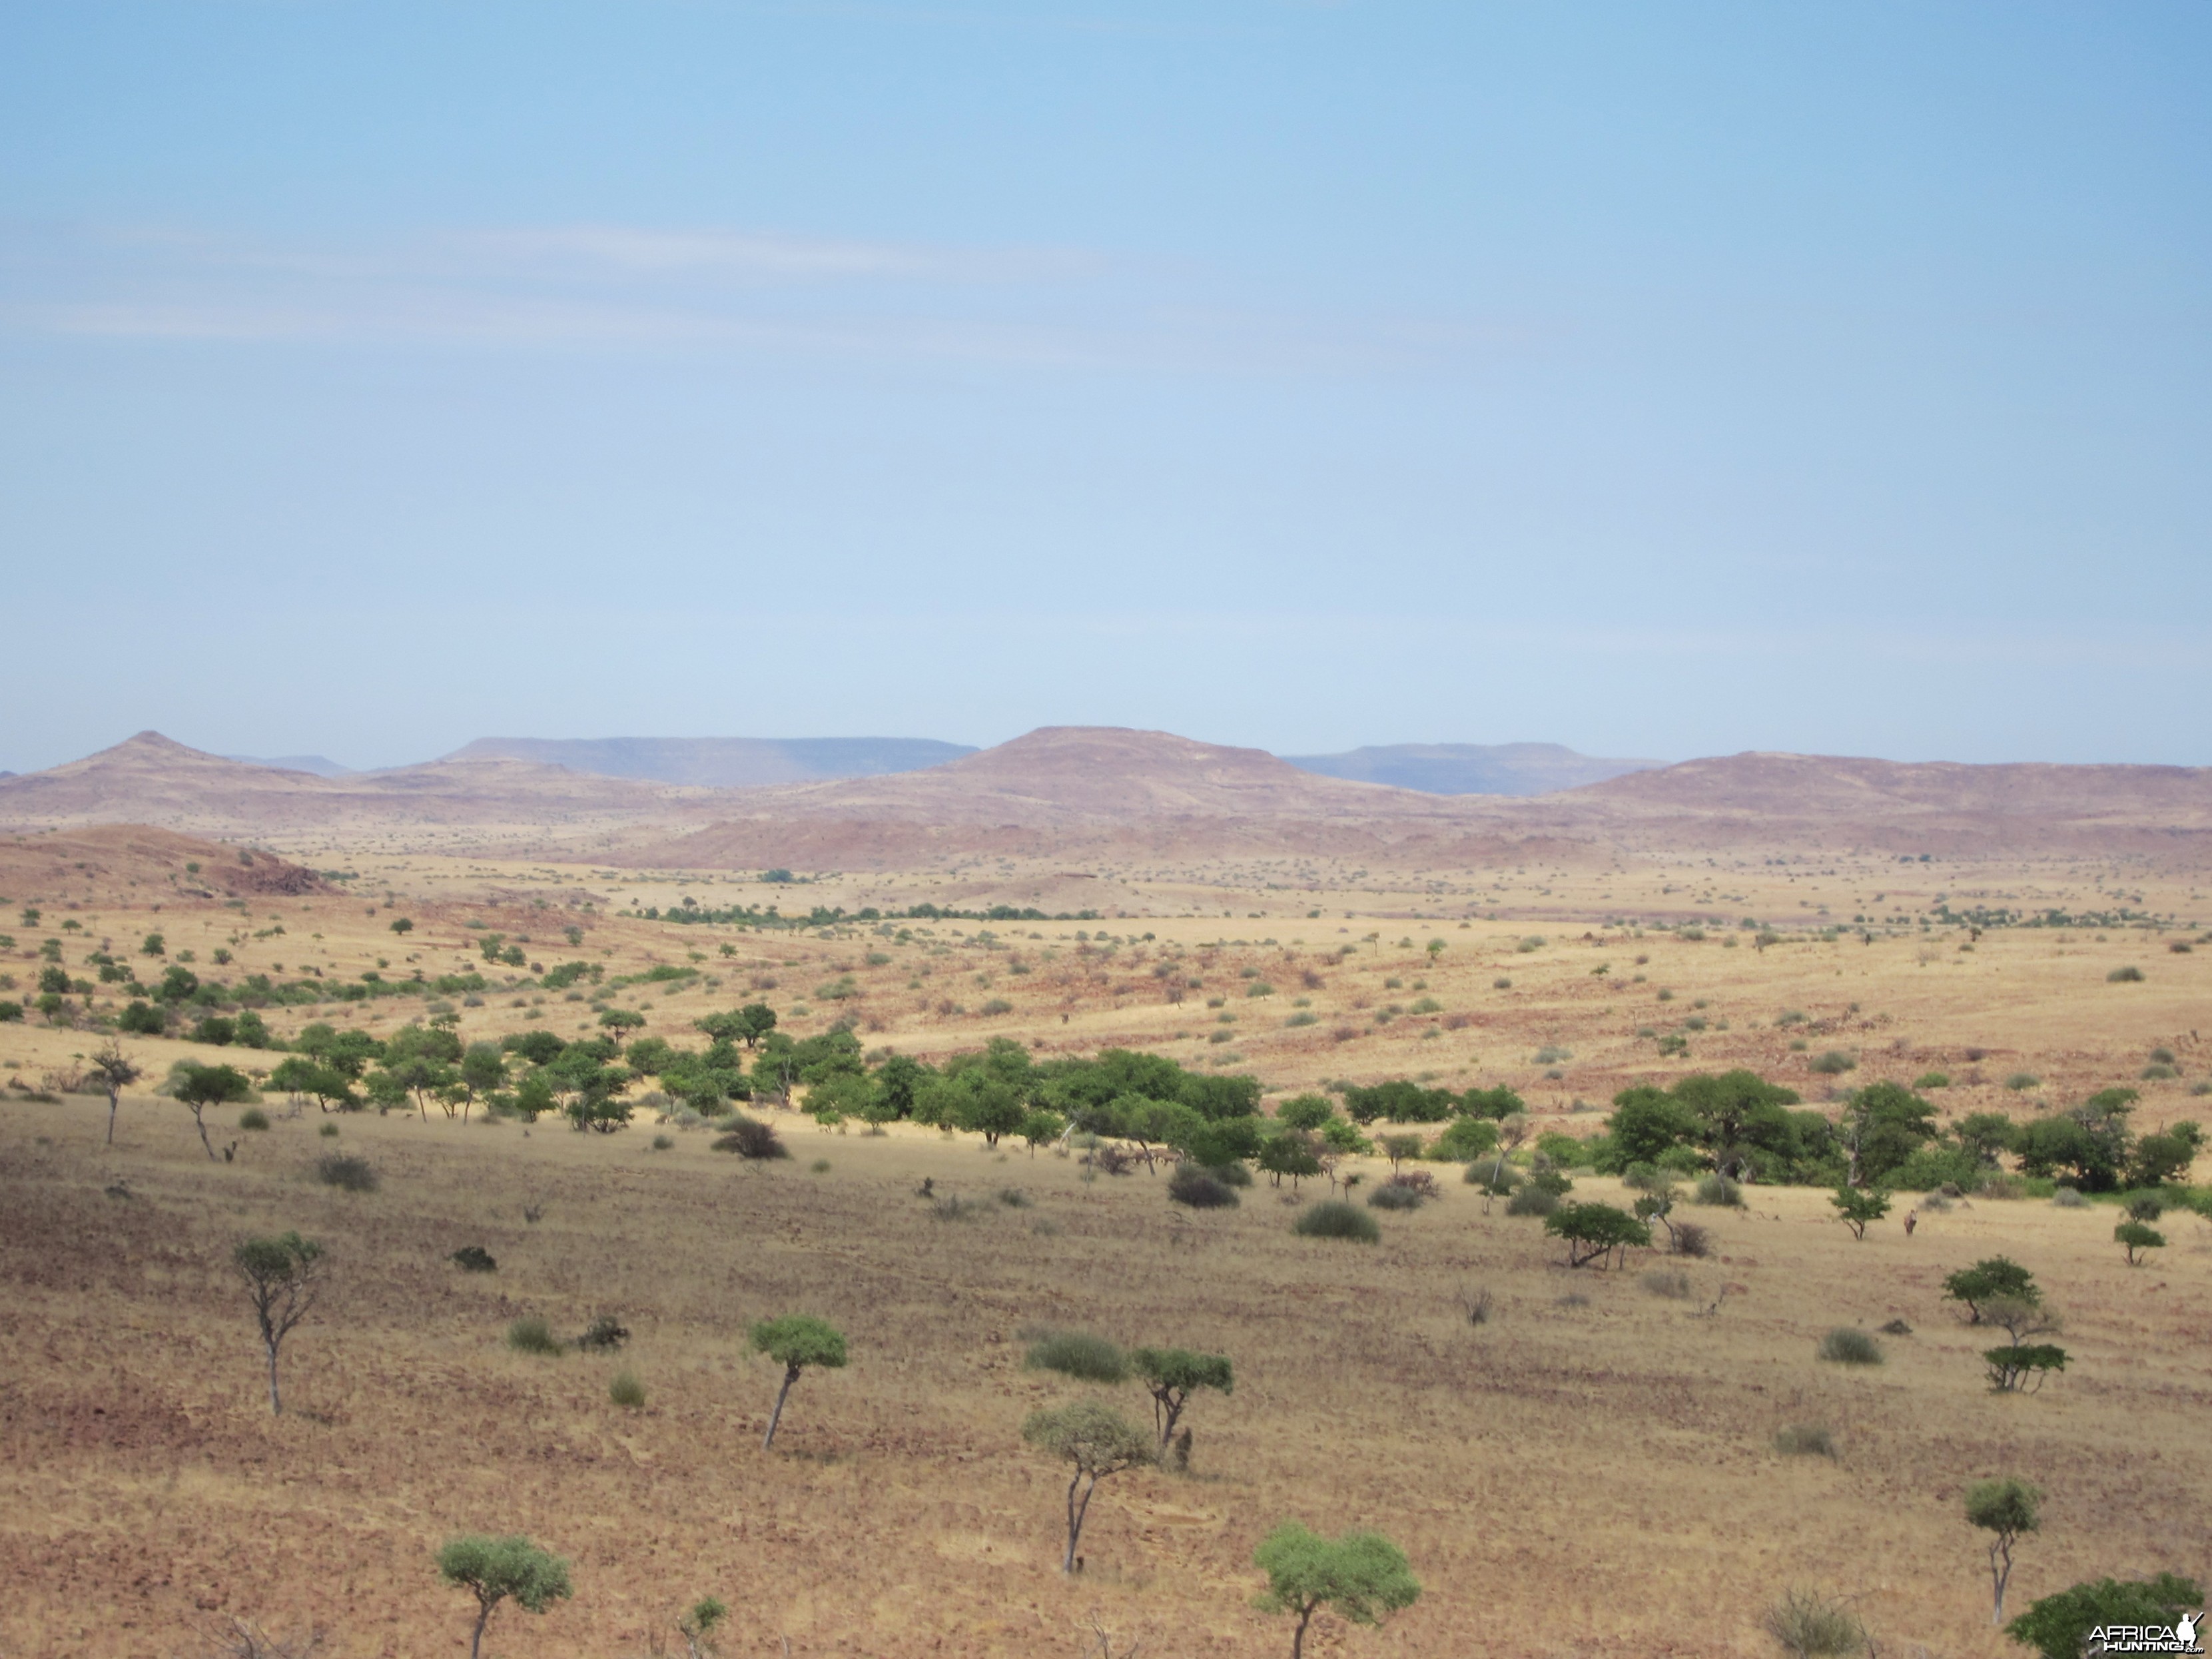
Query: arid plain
1590, 1470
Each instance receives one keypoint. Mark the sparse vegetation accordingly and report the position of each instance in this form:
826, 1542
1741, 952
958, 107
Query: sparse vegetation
531, 1334
1337, 1219
1846, 1345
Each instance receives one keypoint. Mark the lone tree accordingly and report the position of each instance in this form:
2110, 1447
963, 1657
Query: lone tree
114, 1072
198, 1087
2006, 1509
2021, 1366
696, 1625
1990, 1279
1363, 1575
795, 1342
2137, 1237
1172, 1376
494, 1569
1855, 1209
1097, 1441
282, 1275
1595, 1231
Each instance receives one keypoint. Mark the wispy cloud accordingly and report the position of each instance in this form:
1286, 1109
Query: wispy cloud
605, 285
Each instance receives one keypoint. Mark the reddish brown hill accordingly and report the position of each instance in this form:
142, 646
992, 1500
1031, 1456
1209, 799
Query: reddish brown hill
150, 779
99, 863
1899, 806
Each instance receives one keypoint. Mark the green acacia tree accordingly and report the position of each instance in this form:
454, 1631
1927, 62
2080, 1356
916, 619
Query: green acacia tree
795, 1342
1171, 1376
1096, 1441
1856, 1209
282, 1275
2137, 1238
1362, 1575
197, 1087
1993, 1279
1594, 1231
494, 1569
2008, 1510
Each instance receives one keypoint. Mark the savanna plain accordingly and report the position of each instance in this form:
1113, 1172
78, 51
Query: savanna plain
1592, 1467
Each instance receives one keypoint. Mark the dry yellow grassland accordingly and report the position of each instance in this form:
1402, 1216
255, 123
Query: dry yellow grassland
1569, 1478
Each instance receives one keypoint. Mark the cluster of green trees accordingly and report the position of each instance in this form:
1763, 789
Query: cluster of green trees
1887, 1136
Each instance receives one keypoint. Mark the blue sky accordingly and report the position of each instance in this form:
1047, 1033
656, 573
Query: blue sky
1661, 380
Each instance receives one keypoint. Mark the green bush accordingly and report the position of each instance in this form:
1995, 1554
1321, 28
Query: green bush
1932, 1080
625, 1390
253, 1119
474, 1259
347, 1170
1393, 1196
2125, 977
1716, 1189
1847, 1345
1835, 1063
1336, 1219
1804, 1440
1200, 1188
2058, 1627
1493, 1174
1532, 1200
749, 1138
328, 1132
532, 1334
1079, 1354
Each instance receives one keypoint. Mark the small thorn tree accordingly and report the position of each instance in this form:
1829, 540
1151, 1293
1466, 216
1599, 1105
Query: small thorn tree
795, 1342
1171, 1376
282, 1275
1594, 1231
2008, 1510
1097, 1441
1363, 1575
2137, 1238
1855, 1208
494, 1569
197, 1087
696, 1626
114, 1072
1992, 1279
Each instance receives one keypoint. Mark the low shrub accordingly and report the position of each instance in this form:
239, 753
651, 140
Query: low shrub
1932, 1080
626, 1391
2125, 977
662, 1143
346, 1170
1690, 1239
1847, 1345
1200, 1189
1337, 1219
1835, 1063
1492, 1175
474, 1259
1663, 1281
253, 1119
1810, 1627
1013, 1198
531, 1334
2070, 1198
1079, 1354
1718, 1190
1532, 1200
1804, 1440
750, 1138
605, 1333
328, 1132
1408, 1189
820, 1166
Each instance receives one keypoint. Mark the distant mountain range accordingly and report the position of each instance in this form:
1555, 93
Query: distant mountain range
722, 762
1471, 768
1079, 791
